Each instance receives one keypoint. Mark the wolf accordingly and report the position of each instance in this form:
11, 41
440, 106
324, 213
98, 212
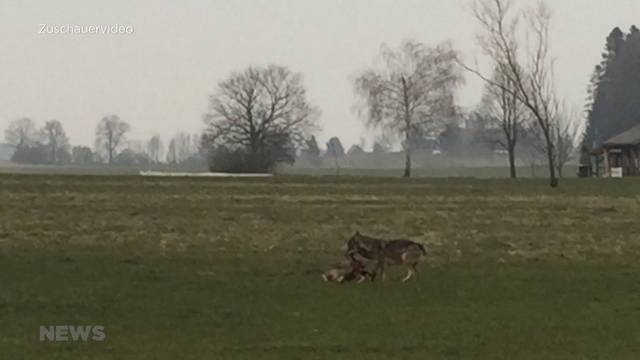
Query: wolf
387, 252
354, 270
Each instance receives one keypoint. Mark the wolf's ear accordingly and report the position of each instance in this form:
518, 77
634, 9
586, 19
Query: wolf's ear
357, 232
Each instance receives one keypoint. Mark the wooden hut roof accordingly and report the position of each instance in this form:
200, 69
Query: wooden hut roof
629, 137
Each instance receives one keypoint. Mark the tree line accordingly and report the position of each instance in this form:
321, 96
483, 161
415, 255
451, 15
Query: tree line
261, 117
50, 144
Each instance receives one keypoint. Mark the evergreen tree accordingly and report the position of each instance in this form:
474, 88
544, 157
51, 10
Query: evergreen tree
613, 101
627, 90
335, 148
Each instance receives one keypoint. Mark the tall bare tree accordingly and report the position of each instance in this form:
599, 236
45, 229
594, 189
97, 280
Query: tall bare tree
155, 148
55, 139
531, 70
260, 110
503, 110
566, 128
110, 134
182, 146
172, 153
412, 92
21, 132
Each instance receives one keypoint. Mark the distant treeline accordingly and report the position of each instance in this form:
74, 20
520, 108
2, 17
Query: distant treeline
260, 117
27, 144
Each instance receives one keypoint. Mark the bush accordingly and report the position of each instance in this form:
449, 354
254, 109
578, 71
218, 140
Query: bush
277, 149
129, 157
31, 154
223, 159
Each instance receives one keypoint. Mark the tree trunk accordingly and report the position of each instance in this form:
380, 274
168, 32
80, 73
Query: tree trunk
110, 147
533, 169
407, 165
407, 121
553, 180
512, 161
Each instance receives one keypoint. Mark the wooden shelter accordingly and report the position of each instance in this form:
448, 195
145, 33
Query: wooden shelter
618, 156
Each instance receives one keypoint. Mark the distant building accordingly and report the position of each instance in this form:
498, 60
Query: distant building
618, 156
6, 151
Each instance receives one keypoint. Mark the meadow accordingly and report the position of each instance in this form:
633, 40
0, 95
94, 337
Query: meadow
230, 268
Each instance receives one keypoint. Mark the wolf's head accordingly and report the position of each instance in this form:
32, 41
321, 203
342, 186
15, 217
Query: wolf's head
353, 244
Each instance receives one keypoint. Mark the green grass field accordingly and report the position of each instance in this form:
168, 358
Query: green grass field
229, 269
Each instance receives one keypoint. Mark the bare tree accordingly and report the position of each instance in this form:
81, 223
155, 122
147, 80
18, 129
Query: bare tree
172, 153
110, 134
412, 93
531, 70
55, 140
261, 110
21, 132
182, 146
503, 110
566, 129
196, 143
155, 148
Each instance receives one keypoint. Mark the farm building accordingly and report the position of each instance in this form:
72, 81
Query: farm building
618, 156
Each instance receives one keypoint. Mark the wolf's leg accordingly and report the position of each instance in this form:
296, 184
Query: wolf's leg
380, 268
410, 273
371, 276
362, 278
377, 270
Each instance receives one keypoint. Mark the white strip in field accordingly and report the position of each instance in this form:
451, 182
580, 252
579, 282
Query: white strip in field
205, 174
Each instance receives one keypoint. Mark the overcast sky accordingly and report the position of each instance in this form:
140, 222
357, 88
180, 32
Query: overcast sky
158, 78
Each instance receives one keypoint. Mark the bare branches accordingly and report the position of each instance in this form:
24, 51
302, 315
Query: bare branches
55, 139
258, 107
412, 90
110, 134
21, 132
566, 129
529, 71
503, 110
